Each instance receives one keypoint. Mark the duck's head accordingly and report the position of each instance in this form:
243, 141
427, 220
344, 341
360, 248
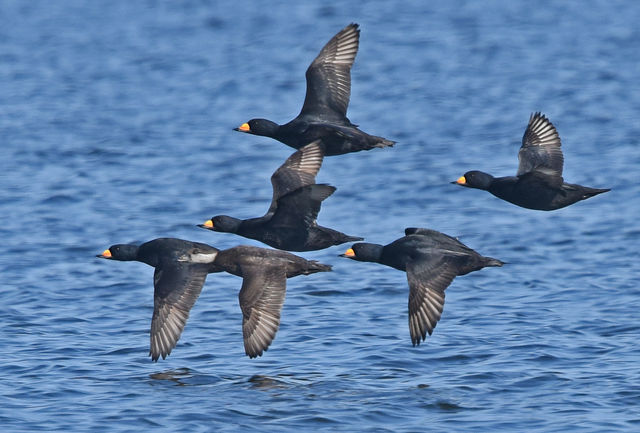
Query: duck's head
364, 252
222, 223
475, 179
259, 127
123, 252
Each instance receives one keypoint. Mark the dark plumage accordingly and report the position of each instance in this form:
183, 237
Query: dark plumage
431, 260
290, 223
181, 268
324, 112
538, 184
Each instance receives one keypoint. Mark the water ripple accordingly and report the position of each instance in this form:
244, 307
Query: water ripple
117, 127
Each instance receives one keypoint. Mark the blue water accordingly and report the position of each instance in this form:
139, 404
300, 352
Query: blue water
116, 125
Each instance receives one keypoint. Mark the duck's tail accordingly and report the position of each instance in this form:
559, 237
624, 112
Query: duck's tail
349, 238
490, 261
590, 192
383, 142
315, 266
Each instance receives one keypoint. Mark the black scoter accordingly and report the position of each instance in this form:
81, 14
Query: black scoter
290, 223
181, 268
431, 260
324, 112
538, 184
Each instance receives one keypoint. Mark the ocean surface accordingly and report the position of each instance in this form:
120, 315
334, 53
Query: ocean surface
116, 125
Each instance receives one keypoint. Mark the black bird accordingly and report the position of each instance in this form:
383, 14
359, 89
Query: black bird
324, 112
290, 223
538, 184
181, 268
431, 260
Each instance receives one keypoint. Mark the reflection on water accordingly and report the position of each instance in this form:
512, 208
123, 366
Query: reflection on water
264, 382
186, 377
176, 376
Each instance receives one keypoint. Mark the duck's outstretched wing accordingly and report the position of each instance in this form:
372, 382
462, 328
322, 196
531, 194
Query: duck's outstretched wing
541, 148
176, 289
261, 299
329, 77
